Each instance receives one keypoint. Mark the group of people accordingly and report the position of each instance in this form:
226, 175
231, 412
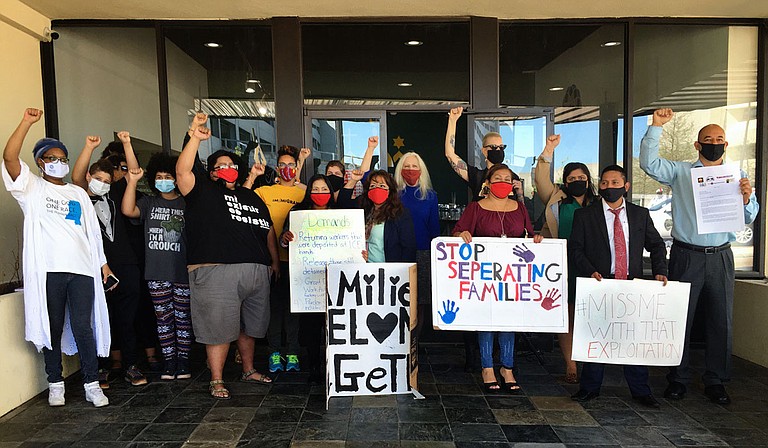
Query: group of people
209, 247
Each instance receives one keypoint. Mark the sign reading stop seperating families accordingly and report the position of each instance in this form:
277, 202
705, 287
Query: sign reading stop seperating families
634, 322
500, 284
321, 237
371, 313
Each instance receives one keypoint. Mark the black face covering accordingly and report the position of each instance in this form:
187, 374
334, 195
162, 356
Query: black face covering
495, 156
576, 188
336, 182
711, 151
612, 195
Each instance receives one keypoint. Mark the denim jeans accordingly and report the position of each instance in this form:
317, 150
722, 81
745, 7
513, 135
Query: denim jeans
506, 348
73, 293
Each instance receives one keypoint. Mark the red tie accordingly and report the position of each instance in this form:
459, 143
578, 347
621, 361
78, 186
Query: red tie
619, 246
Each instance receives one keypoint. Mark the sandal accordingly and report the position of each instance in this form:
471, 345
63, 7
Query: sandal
262, 379
492, 388
511, 386
218, 392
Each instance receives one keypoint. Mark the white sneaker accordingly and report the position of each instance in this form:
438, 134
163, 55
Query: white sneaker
94, 394
56, 394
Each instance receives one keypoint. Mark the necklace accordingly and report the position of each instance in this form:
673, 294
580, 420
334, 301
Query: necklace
501, 217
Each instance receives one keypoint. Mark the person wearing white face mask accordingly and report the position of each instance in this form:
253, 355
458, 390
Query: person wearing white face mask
64, 263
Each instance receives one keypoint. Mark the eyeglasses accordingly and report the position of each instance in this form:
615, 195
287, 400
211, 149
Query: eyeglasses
283, 165
221, 167
121, 167
54, 159
496, 147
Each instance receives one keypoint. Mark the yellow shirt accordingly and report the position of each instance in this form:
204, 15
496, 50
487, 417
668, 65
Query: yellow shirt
280, 200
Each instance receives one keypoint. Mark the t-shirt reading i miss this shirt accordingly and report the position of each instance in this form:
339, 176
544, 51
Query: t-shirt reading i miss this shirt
165, 246
226, 226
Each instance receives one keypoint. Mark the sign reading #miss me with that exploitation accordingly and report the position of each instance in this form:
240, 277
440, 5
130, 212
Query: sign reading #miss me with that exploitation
500, 284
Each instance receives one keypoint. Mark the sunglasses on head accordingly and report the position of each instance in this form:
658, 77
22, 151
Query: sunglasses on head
121, 167
497, 147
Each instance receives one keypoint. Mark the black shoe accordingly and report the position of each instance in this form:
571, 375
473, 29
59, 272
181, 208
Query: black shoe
717, 394
675, 391
582, 396
648, 401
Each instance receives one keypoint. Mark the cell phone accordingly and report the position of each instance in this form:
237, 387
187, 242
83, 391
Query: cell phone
111, 282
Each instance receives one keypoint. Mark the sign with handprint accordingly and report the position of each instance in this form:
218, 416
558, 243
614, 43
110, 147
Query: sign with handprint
500, 284
371, 313
635, 322
321, 237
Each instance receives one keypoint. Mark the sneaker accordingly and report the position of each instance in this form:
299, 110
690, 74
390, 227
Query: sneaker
182, 370
169, 371
275, 362
94, 394
56, 394
104, 378
293, 363
134, 376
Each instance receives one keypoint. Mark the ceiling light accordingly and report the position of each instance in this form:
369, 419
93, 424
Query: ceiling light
253, 80
556, 89
250, 89
612, 43
414, 43
212, 45
404, 84
262, 110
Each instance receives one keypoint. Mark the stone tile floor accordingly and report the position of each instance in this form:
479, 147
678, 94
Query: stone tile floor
455, 413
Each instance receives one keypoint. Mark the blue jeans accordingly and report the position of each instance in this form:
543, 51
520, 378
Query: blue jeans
72, 292
506, 348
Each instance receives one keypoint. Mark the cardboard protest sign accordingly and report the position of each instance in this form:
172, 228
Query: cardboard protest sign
321, 237
500, 284
635, 322
371, 313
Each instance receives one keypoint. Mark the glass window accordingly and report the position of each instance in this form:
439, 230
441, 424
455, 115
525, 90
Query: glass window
706, 74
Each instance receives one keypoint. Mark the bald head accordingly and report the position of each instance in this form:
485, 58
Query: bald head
714, 132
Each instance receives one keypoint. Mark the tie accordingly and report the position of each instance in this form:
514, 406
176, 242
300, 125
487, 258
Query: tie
619, 247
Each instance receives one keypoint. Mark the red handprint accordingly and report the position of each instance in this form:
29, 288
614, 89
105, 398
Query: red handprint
553, 295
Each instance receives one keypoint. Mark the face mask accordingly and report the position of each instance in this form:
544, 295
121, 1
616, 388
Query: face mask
612, 195
501, 189
378, 195
336, 182
320, 199
495, 156
165, 185
411, 177
576, 188
98, 187
712, 152
56, 169
227, 174
287, 173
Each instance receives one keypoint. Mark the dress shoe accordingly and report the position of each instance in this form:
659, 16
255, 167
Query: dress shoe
582, 396
648, 401
675, 391
717, 394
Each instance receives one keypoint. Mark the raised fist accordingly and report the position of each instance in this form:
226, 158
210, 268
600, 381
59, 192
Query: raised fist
552, 142
202, 133
662, 116
124, 137
92, 141
356, 175
304, 153
134, 175
32, 115
373, 141
257, 169
199, 119
455, 113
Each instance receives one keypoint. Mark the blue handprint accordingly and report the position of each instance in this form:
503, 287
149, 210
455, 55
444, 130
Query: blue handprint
450, 312
524, 253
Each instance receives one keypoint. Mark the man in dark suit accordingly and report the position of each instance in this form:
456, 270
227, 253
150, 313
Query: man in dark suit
607, 242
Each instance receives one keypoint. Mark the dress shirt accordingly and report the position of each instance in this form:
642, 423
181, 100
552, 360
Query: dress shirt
609, 217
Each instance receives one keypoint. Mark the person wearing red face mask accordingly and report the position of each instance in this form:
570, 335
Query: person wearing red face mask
496, 215
417, 195
389, 232
318, 196
280, 198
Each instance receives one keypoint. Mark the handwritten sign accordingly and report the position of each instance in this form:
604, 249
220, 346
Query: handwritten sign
321, 237
635, 322
500, 284
371, 313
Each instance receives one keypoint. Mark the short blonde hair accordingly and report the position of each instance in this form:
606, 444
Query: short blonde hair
489, 135
425, 182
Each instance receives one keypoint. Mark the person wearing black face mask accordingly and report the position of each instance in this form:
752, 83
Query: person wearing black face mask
607, 241
704, 260
337, 173
561, 202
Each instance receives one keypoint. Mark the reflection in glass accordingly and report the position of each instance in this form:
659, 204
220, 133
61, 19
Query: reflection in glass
343, 139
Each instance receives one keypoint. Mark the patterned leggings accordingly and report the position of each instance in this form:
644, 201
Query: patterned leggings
174, 326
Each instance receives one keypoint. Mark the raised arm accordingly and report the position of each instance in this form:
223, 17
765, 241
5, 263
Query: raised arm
458, 165
128, 206
84, 161
130, 156
303, 155
373, 142
185, 177
13, 147
661, 170
544, 185
256, 170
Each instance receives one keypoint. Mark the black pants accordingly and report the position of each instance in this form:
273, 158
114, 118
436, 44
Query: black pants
312, 338
712, 279
123, 302
281, 317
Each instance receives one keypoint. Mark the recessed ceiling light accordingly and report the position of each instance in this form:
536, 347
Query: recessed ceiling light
414, 43
556, 89
212, 45
262, 110
252, 80
404, 84
250, 90
612, 43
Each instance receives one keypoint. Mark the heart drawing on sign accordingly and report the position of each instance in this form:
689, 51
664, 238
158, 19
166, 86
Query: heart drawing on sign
381, 328
369, 278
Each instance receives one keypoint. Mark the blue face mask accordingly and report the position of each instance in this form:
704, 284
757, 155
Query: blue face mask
165, 185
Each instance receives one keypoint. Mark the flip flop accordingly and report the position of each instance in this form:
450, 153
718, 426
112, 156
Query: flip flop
262, 379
